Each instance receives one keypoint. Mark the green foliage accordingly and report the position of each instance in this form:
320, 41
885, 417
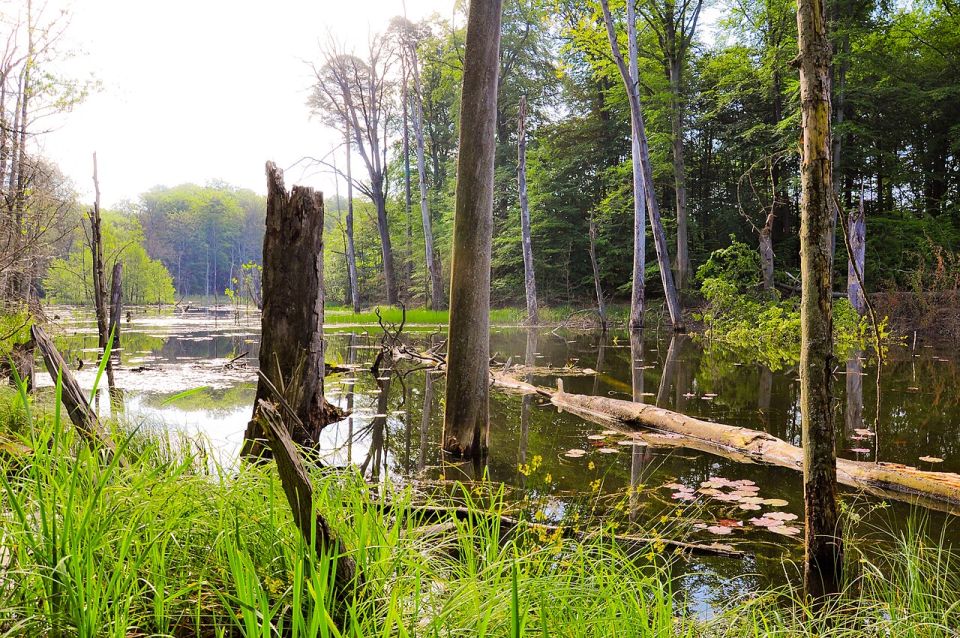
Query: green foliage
144, 281
738, 316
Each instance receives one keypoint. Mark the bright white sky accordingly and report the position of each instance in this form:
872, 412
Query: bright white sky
195, 90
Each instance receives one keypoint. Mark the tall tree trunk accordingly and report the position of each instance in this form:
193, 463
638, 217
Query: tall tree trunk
436, 285
601, 304
679, 174
466, 422
291, 344
766, 252
407, 191
857, 230
386, 247
638, 283
351, 251
823, 559
529, 277
641, 148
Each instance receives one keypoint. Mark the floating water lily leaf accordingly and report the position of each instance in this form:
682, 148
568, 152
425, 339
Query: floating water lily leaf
765, 521
609, 432
677, 486
775, 502
729, 498
684, 496
785, 530
709, 491
861, 450
632, 442
608, 450
689, 395
752, 500
863, 432
720, 530
596, 437
781, 516
931, 459
743, 482
729, 522
749, 506
575, 453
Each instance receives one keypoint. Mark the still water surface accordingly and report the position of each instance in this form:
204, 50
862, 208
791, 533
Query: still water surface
396, 422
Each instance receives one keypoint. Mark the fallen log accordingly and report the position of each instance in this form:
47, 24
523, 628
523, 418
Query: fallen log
72, 396
935, 490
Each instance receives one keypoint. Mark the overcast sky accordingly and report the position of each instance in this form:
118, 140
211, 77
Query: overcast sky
194, 90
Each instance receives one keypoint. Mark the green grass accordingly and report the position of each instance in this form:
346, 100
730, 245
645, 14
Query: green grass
551, 316
176, 545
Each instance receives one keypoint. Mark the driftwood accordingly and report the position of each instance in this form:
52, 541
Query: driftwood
936, 490
72, 396
299, 491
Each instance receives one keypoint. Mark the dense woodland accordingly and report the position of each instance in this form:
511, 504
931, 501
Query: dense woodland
720, 98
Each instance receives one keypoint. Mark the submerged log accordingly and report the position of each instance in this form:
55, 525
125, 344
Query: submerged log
72, 396
291, 346
937, 490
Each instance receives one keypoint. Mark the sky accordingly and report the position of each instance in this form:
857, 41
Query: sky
200, 90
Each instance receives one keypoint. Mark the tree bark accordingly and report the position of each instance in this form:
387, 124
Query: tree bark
72, 395
638, 283
824, 552
601, 304
857, 228
116, 305
291, 344
641, 149
351, 251
436, 284
466, 420
299, 492
679, 174
99, 277
766, 252
529, 277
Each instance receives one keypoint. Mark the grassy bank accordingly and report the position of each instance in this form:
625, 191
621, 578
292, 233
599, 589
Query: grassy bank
552, 316
174, 545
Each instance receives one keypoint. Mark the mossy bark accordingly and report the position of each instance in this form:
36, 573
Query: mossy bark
824, 551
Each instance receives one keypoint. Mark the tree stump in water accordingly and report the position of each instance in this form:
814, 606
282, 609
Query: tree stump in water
291, 342
116, 306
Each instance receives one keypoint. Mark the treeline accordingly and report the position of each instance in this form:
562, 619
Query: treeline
722, 115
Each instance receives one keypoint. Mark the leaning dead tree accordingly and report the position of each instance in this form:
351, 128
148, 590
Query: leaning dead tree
529, 277
823, 558
643, 188
291, 345
466, 420
857, 233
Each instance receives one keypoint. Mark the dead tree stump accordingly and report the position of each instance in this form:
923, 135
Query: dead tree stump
291, 342
116, 306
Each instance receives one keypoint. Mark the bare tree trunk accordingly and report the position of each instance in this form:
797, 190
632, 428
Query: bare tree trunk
116, 305
824, 558
766, 253
679, 175
72, 396
601, 304
857, 227
636, 364
640, 144
407, 190
466, 422
99, 277
291, 345
436, 285
529, 277
853, 415
638, 288
351, 251
389, 272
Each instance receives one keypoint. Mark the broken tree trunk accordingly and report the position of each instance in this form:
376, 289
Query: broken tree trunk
116, 306
857, 228
291, 345
351, 251
529, 278
299, 492
72, 396
99, 278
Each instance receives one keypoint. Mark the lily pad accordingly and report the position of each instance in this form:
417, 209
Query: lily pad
785, 530
775, 502
720, 530
608, 450
749, 506
931, 459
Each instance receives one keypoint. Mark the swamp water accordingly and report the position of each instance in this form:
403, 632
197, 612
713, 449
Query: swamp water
557, 466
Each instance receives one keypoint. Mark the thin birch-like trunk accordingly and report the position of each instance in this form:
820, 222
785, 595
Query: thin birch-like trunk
529, 277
